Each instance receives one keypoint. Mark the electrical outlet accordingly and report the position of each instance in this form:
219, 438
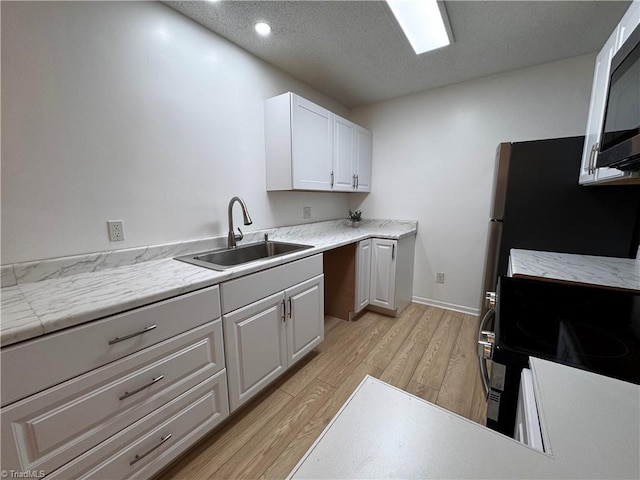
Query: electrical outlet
306, 213
116, 230
439, 277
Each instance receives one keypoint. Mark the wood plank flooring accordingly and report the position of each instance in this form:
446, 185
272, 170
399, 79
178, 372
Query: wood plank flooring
426, 351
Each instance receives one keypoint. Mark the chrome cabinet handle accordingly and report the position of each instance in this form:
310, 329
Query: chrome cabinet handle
284, 311
393, 251
133, 392
357, 182
353, 181
131, 335
592, 158
331, 179
290, 309
141, 456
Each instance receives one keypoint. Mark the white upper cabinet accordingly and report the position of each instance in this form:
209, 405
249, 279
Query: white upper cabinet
310, 148
351, 157
310, 145
344, 154
629, 22
363, 159
298, 143
596, 111
589, 174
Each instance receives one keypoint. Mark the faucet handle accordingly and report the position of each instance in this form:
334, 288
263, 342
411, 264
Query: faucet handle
239, 237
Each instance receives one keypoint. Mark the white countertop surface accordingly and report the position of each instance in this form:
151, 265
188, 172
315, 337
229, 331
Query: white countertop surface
50, 295
591, 422
618, 273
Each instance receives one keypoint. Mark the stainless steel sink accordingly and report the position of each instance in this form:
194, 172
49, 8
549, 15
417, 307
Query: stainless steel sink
232, 257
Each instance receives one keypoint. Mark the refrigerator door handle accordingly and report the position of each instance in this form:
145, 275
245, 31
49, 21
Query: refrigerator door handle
482, 361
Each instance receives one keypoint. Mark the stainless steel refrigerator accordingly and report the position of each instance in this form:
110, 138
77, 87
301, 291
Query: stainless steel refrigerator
539, 205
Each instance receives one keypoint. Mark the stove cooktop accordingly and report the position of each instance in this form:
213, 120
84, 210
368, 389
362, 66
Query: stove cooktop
592, 328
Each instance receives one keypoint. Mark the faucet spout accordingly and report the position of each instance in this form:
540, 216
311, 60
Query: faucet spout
232, 237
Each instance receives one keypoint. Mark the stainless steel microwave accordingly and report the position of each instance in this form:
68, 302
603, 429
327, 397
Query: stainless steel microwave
620, 136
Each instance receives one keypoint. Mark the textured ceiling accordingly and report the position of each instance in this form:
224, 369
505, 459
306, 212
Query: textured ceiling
355, 52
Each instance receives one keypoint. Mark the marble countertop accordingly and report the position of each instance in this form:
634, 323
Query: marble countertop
591, 425
618, 273
46, 296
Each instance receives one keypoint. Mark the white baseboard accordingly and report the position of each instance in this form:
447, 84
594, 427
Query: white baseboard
446, 305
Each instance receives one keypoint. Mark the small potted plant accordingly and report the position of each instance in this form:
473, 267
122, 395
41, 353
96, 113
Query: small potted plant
355, 218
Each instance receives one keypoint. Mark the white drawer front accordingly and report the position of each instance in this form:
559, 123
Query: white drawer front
186, 419
49, 429
66, 354
245, 290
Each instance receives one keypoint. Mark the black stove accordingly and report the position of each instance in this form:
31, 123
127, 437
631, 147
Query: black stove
588, 327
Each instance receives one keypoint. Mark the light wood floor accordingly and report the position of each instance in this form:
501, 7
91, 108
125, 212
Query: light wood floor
426, 351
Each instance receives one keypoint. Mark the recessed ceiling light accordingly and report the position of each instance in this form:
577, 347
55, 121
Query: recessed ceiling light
422, 23
263, 28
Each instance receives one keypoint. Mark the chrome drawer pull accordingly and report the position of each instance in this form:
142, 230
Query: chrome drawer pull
133, 392
131, 335
140, 457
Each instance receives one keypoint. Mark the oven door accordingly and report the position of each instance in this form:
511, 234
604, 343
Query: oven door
499, 369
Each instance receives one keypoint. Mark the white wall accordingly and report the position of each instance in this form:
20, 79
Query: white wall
128, 110
433, 157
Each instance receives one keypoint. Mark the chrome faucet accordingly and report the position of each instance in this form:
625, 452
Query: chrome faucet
232, 237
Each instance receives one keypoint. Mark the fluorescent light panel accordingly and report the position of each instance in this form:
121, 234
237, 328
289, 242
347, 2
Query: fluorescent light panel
422, 23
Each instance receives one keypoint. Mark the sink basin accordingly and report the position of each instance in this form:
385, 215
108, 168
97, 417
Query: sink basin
231, 257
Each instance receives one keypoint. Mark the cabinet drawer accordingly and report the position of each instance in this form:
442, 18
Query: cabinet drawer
245, 290
53, 427
35, 365
181, 423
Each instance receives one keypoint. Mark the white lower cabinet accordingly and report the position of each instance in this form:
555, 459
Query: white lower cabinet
159, 385
383, 273
123, 397
256, 347
145, 447
391, 284
363, 275
268, 335
305, 318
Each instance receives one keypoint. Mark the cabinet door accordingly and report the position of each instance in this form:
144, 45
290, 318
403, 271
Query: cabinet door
596, 111
311, 145
363, 274
256, 349
363, 159
144, 448
383, 273
628, 23
344, 152
305, 317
